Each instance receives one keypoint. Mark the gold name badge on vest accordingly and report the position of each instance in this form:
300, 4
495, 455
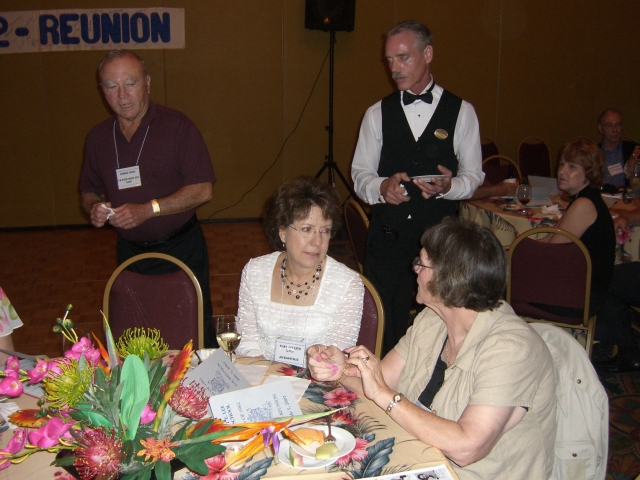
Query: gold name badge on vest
128, 177
441, 134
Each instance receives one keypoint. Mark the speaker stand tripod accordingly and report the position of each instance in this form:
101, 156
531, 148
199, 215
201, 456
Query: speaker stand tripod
329, 164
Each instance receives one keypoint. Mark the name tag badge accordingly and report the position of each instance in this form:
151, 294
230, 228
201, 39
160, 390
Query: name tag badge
128, 177
290, 352
615, 169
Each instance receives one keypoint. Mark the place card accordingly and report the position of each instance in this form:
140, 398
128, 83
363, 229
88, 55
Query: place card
435, 472
256, 404
217, 375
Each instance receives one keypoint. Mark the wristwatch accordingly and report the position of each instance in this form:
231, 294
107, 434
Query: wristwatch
394, 401
156, 207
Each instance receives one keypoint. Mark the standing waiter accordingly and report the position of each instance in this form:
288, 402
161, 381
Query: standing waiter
146, 170
420, 129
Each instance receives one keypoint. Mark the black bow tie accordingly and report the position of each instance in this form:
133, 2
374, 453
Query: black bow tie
408, 98
427, 97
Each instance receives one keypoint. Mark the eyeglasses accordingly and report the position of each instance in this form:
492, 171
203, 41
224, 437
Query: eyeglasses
416, 264
309, 232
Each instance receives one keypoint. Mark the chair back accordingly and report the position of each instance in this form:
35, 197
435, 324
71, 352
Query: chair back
170, 302
553, 274
357, 226
372, 325
498, 168
533, 157
488, 147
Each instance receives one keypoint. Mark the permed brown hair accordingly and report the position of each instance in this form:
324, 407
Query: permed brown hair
293, 201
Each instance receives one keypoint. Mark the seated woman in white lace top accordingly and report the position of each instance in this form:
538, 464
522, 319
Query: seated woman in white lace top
299, 293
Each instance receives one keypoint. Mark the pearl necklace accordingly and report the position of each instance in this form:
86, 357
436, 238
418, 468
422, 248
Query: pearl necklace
299, 289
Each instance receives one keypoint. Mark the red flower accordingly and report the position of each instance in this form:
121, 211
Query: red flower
339, 397
288, 371
343, 417
99, 454
215, 465
358, 453
190, 401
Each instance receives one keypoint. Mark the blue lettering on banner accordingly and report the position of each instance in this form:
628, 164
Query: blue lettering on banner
90, 29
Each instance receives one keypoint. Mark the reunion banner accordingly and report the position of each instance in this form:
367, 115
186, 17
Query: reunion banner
91, 29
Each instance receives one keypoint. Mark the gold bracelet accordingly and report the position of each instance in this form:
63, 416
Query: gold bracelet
344, 375
156, 207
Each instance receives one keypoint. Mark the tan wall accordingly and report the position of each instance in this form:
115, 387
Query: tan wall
530, 67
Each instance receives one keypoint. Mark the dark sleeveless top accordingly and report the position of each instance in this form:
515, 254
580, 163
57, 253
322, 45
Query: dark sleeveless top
402, 153
600, 240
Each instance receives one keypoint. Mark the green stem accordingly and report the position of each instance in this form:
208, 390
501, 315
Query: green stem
208, 436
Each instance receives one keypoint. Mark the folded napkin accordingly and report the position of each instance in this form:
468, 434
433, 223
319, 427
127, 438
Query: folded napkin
551, 210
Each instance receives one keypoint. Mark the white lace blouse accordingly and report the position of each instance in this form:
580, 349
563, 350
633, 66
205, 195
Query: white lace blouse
334, 318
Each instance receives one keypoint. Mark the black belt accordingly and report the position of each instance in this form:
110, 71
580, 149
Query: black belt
176, 233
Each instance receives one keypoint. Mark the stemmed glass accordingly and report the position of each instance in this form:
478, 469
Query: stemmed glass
524, 196
228, 334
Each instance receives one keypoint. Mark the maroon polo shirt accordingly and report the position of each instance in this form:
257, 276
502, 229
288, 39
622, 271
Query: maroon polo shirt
174, 155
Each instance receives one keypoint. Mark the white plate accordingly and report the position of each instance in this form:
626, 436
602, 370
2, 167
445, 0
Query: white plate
428, 178
344, 441
283, 456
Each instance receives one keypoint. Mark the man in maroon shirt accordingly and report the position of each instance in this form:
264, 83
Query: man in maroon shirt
146, 170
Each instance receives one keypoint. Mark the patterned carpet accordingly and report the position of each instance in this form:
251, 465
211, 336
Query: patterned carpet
624, 425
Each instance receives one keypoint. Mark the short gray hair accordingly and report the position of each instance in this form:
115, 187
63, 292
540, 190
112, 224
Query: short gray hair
420, 31
118, 54
608, 110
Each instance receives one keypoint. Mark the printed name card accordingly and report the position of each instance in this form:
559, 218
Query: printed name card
218, 375
290, 352
256, 404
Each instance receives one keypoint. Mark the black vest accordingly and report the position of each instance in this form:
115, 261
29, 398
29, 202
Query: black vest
402, 153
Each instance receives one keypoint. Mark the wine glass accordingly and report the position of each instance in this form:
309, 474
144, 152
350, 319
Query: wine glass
524, 196
227, 333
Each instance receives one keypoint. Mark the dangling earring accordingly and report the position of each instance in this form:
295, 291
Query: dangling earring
284, 246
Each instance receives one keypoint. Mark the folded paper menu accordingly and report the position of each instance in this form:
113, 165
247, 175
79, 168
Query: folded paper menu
256, 404
217, 375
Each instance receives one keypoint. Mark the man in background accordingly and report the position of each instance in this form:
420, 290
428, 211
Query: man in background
420, 129
146, 169
621, 155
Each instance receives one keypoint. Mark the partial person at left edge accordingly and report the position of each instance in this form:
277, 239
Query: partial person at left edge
146, 169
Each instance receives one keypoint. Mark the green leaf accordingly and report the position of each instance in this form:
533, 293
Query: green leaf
111, 345
64, 461
135, 393
163, 470
194, 455
202, 429
145, 473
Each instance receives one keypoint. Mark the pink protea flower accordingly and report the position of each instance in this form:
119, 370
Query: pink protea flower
4, 461
339, 397
358, 453
215, 465
99, 454
11, 385
49, 435
147, 415
13, 364
189, 401
84, 347
18, 440
37, 373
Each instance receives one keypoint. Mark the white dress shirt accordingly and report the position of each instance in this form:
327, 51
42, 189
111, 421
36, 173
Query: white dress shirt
466, 145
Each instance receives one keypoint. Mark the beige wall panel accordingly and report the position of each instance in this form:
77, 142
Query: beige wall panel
26, 196
228, 80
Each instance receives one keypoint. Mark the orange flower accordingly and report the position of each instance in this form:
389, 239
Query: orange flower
157, 449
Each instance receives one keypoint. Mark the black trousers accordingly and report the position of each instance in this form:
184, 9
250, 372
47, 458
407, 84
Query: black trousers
191, 248
387, 265
613, 323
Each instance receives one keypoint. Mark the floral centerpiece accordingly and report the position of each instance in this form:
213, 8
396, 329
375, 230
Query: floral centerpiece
121, 412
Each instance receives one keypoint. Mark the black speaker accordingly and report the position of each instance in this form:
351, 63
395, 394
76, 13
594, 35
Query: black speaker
326, 15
